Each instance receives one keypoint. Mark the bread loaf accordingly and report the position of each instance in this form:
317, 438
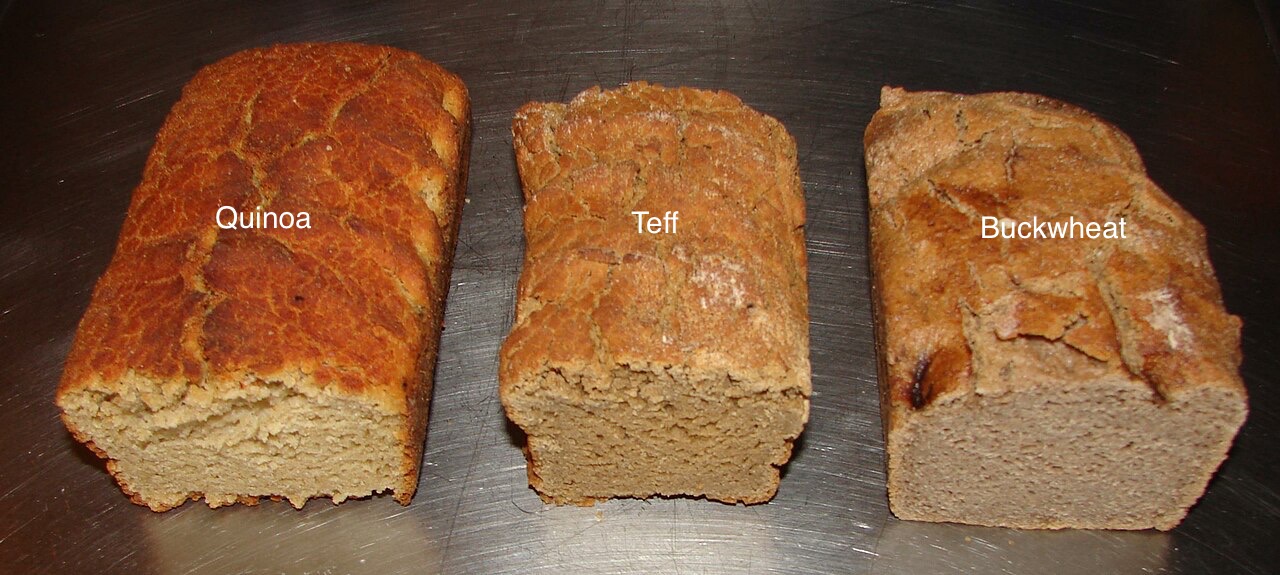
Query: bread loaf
1038, 382
668, 359
230, 354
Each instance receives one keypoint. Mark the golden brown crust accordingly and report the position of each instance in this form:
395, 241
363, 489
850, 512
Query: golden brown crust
337, 131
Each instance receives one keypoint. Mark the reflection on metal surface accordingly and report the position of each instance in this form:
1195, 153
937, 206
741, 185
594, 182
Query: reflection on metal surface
647, 537
915, 547
357, 537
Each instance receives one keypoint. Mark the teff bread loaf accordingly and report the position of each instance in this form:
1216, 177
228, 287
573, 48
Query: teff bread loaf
1040, 383
669, 363
232, 364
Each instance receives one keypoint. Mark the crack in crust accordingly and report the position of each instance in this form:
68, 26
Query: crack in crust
574, 161
1126, 304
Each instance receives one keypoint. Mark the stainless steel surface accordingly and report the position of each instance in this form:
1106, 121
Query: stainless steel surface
85, 86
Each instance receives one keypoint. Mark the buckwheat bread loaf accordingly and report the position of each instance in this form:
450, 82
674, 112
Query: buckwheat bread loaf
1040, 383
233, 364
671, 363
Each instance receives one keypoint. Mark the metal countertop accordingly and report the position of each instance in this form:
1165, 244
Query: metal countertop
84, 86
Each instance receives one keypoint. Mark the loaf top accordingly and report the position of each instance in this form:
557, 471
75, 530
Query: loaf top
724, 293
368, 140
1146, 308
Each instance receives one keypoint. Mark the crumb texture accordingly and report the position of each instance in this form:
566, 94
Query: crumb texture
648, 364
1040, 383
238, 363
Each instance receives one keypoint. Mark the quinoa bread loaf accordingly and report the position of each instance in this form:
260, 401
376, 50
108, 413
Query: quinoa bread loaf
657, 360
1036, 382
231, 352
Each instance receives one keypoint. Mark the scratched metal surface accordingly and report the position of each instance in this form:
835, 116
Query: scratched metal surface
84, 87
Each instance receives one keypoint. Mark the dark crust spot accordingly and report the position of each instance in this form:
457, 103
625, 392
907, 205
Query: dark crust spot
917, 382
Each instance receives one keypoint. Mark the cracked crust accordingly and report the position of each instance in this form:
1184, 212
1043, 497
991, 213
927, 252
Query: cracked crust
962, 319
372, 142
718, 308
